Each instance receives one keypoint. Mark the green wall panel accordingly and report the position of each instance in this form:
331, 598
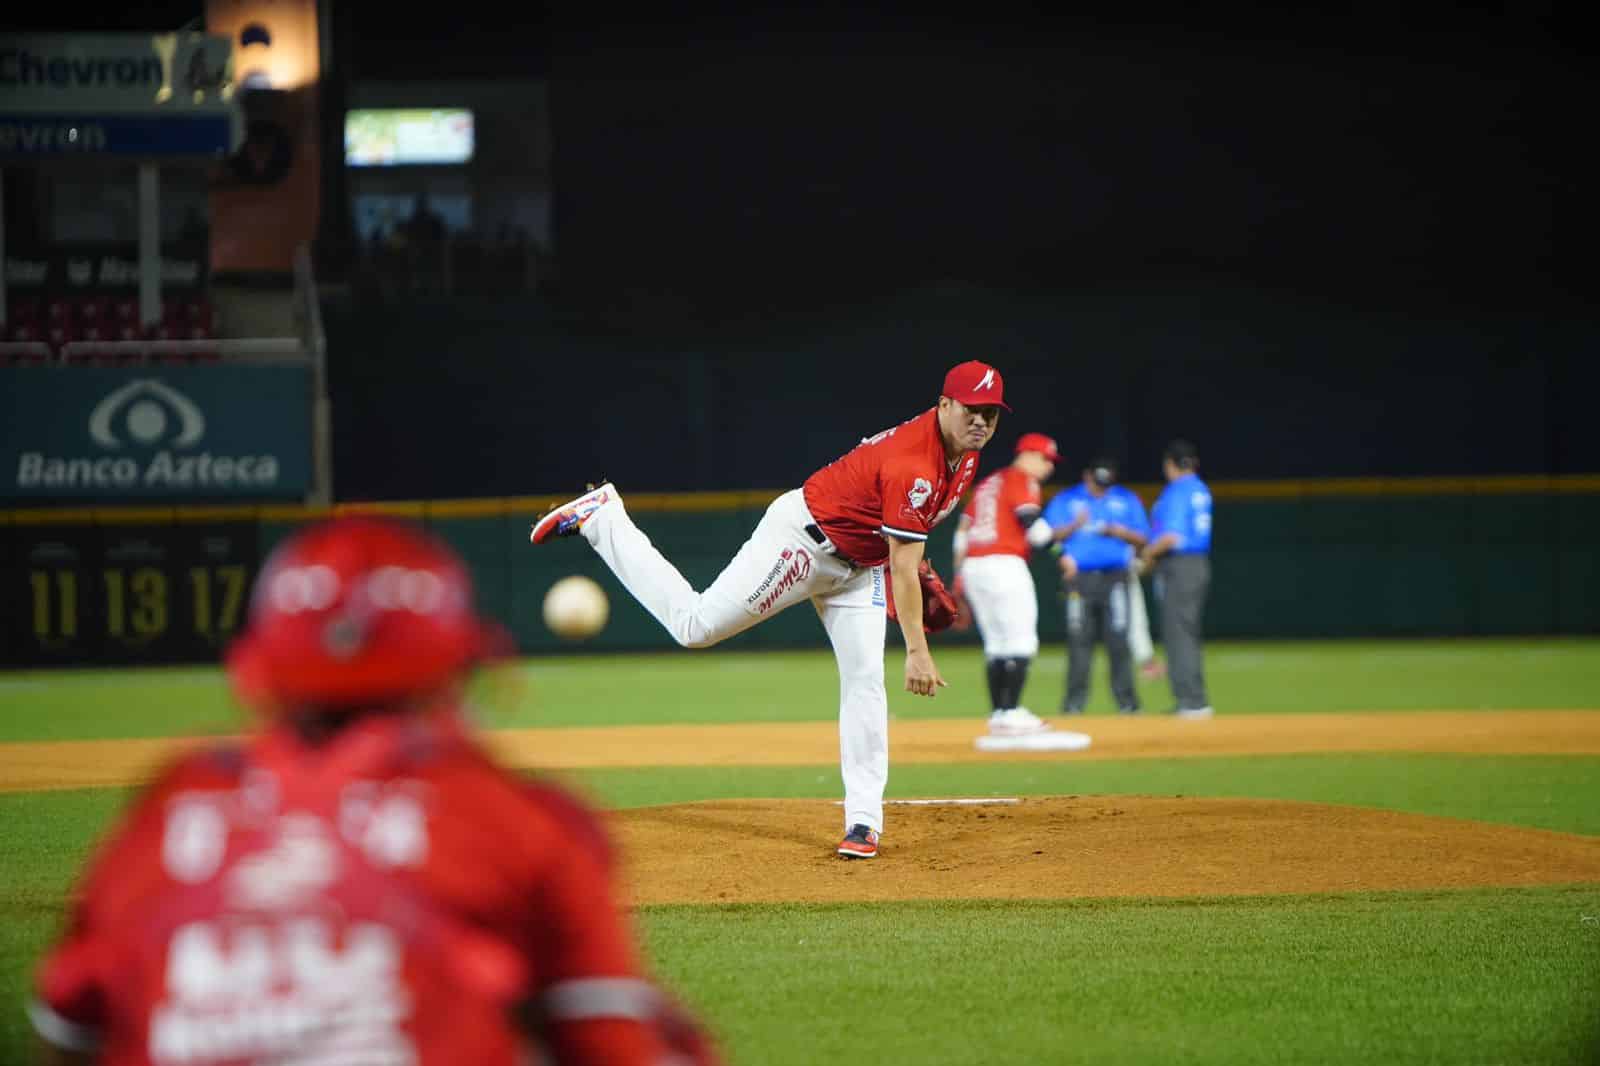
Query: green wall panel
1283, 567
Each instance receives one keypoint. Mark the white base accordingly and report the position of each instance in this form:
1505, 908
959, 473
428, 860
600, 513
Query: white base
1054, 740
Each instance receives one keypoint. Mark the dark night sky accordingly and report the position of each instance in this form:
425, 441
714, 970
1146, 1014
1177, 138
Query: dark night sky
1420, 156
1420, 162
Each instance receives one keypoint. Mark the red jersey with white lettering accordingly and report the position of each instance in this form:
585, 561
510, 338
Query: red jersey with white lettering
387, 896
896, 484
999, 513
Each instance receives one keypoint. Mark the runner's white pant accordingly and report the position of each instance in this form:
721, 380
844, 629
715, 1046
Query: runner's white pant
778, 567
1000, 590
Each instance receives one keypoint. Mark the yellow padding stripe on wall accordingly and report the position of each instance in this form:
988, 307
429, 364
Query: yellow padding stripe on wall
691, 502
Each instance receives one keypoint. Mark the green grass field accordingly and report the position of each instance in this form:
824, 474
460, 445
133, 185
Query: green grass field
1467, 976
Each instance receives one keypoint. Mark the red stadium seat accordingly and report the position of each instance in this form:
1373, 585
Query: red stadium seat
199, 313
60, 333
92, 310
20, 309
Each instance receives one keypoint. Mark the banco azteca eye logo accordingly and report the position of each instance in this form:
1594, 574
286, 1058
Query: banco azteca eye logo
146, 413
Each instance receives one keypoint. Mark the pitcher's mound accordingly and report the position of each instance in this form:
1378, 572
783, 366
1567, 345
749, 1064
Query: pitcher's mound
1071, 846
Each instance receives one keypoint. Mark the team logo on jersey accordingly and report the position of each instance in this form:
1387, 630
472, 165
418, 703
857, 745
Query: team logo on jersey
920, 491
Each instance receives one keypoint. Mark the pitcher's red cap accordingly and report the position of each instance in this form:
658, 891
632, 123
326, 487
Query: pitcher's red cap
1038, 442
975, 384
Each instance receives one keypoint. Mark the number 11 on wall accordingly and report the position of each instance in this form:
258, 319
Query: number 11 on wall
54, 618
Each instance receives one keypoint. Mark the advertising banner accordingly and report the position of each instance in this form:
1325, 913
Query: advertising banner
138, 94
99, 268
112, 434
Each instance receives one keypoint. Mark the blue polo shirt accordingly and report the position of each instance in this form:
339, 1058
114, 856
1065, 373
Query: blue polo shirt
1089, 546
1184, 508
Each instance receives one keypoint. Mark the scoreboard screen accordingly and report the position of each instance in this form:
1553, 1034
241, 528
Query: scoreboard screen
123, 594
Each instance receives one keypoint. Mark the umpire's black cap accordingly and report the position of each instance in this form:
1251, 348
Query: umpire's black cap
1182, 453
1103, 469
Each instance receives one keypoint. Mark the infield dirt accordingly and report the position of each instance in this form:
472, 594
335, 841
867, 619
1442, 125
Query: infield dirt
37, 766
1063, 847
1054, 847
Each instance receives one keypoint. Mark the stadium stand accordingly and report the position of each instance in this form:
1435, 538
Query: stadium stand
102, 329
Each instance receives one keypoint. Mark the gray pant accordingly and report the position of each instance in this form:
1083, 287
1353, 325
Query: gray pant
1181, 585
1097, 605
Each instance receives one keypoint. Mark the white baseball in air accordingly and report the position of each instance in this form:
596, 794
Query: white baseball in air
576, 607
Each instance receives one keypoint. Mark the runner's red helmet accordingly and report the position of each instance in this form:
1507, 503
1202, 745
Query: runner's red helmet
358, 610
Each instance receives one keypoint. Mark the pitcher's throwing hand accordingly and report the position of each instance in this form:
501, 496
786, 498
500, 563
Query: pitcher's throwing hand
922, 677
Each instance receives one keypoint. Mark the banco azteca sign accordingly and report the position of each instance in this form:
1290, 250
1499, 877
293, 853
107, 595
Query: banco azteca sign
145, 436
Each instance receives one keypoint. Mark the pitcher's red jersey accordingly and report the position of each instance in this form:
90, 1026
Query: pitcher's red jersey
897, 483
1002, 508
388, 896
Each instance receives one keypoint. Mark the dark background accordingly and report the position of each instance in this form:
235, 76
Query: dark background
1317, 245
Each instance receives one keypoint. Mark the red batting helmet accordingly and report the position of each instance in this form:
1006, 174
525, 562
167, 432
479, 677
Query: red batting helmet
358, 610
1038, 442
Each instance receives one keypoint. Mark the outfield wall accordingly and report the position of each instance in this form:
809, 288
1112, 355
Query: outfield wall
1395, 557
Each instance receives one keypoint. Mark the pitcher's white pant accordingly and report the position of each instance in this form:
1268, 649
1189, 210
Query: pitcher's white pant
1004, 605
778, 567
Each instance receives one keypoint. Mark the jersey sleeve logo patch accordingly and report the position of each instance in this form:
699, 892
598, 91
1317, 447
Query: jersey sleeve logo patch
920, 491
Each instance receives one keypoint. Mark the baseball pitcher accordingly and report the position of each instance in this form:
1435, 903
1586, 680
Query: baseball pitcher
857, 522
996, 533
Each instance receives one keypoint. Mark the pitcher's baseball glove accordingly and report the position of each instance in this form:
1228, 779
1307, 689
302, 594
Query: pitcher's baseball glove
939, 608
963, 620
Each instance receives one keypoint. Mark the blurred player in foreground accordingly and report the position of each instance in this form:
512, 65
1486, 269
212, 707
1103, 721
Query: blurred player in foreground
827, 542
990, 560
357, 883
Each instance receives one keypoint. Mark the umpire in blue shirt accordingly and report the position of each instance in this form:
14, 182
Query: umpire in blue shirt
1181, 549
1097, 527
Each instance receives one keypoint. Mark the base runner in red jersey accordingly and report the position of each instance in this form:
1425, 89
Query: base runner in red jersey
855, 523
358, 883
994, 537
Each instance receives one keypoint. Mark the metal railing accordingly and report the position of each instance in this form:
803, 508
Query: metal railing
308, 308
134, 353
